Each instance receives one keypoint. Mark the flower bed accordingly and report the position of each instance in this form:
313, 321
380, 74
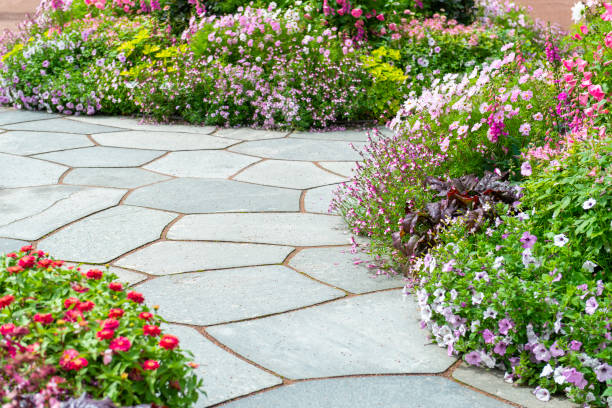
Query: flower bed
84, 332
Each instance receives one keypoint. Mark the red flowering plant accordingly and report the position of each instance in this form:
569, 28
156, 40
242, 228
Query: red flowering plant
96, 334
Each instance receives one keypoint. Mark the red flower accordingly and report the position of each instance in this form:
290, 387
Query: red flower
6, 300
94, 274
145, 316
116, 286
71, 361
44, 263
105, 334
14, 269
71, 301
150, 330
7, 329
79, 363
135, 297
26, 248
86, 306
57, 263
11, 255
120, 344
115, 313
150, 365
73, 315
27, 261
78, 288
43, 318
169, 342
110, 324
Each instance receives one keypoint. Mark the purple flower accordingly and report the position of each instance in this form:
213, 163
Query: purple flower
541, 353
556, 351
526, 167
603, 372
528, 240
591, 305
45, 64
514, 361
473, 358
505, 325
488, 335
575, 377
575, 345
500, 348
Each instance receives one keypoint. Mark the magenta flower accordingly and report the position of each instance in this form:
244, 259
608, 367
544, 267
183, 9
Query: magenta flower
473, 358
505, 325
596, 92
591, 306
356, 13
528, 240
488, 336
575, 345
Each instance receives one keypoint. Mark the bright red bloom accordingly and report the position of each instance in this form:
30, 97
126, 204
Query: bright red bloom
14, 269
150, 365
44, 263
11, 255
120, 344
151, 330
115, 313
27, 261
71, 301
78, 288
169, 342
7, 329
43, 318
94, 274
145, 315
57, 263
110, 324
86, 306
71, 361
105, 334
79, 363
6, 300
135, 297
26, 248
116, 286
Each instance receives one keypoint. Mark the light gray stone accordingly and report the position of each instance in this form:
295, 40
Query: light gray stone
370, 334
31, 213
337, 266
26, 143
207, 164
225, 376
138, 124
10, 245
288, 174
112, 177
268, 228
300, 149
102, 157
170, 257
168, 140
15, 116
106, 235
343, 168
493, 383
125, 276
371, 392
317, 200
16, 171
227, 295
191, 195
249, 134
349, 135
61, 125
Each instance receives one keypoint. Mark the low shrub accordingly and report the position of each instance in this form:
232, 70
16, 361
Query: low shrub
95, 334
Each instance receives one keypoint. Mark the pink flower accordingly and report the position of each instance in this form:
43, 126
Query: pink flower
120, 344
380, 17
488, 335
596, 92
526, 169
607, 15
608, 40
356, 13
569, 65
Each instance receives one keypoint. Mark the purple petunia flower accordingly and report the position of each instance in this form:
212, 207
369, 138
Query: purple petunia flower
500, 348
556, 351
575, 345
473, 358
528, 240
488, 335
541, 353
603, 372
591, 306
505, 325
526, 168
575, 377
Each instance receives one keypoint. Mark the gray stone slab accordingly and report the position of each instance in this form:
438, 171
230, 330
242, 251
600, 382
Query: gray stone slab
288, 174
338, 267
192, 195
269, 228
15, 116
371, 392
166, 140
300, 149
198, 256
249, 134
349, 135
343, 168
138, 124
213, 297
102, 157
225, 375
112, 177
16, 171
317, 200
493, 383
370, 334
106, 235
207, 164
26, 143
60, 125
125, 276
10, 245
31, 213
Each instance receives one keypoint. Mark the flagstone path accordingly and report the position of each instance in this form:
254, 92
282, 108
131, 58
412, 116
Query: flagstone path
228, 232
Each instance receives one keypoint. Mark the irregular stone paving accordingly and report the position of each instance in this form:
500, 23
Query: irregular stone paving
228, 231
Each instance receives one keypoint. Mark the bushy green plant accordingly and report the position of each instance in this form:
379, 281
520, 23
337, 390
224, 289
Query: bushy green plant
459, 10
95, 332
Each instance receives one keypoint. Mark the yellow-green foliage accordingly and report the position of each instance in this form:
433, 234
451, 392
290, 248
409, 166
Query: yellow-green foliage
387, 89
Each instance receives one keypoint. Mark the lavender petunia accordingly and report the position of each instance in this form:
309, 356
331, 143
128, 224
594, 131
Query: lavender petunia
603, 372
591, 306
473, 358
528, 240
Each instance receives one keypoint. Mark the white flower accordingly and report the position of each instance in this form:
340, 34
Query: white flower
542, 394
474, 326
477, 298
560, 240
487, 359
558, 376
589, 266
489, 313
577, 11
426, 313
546, 371
588, 204
499, 261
